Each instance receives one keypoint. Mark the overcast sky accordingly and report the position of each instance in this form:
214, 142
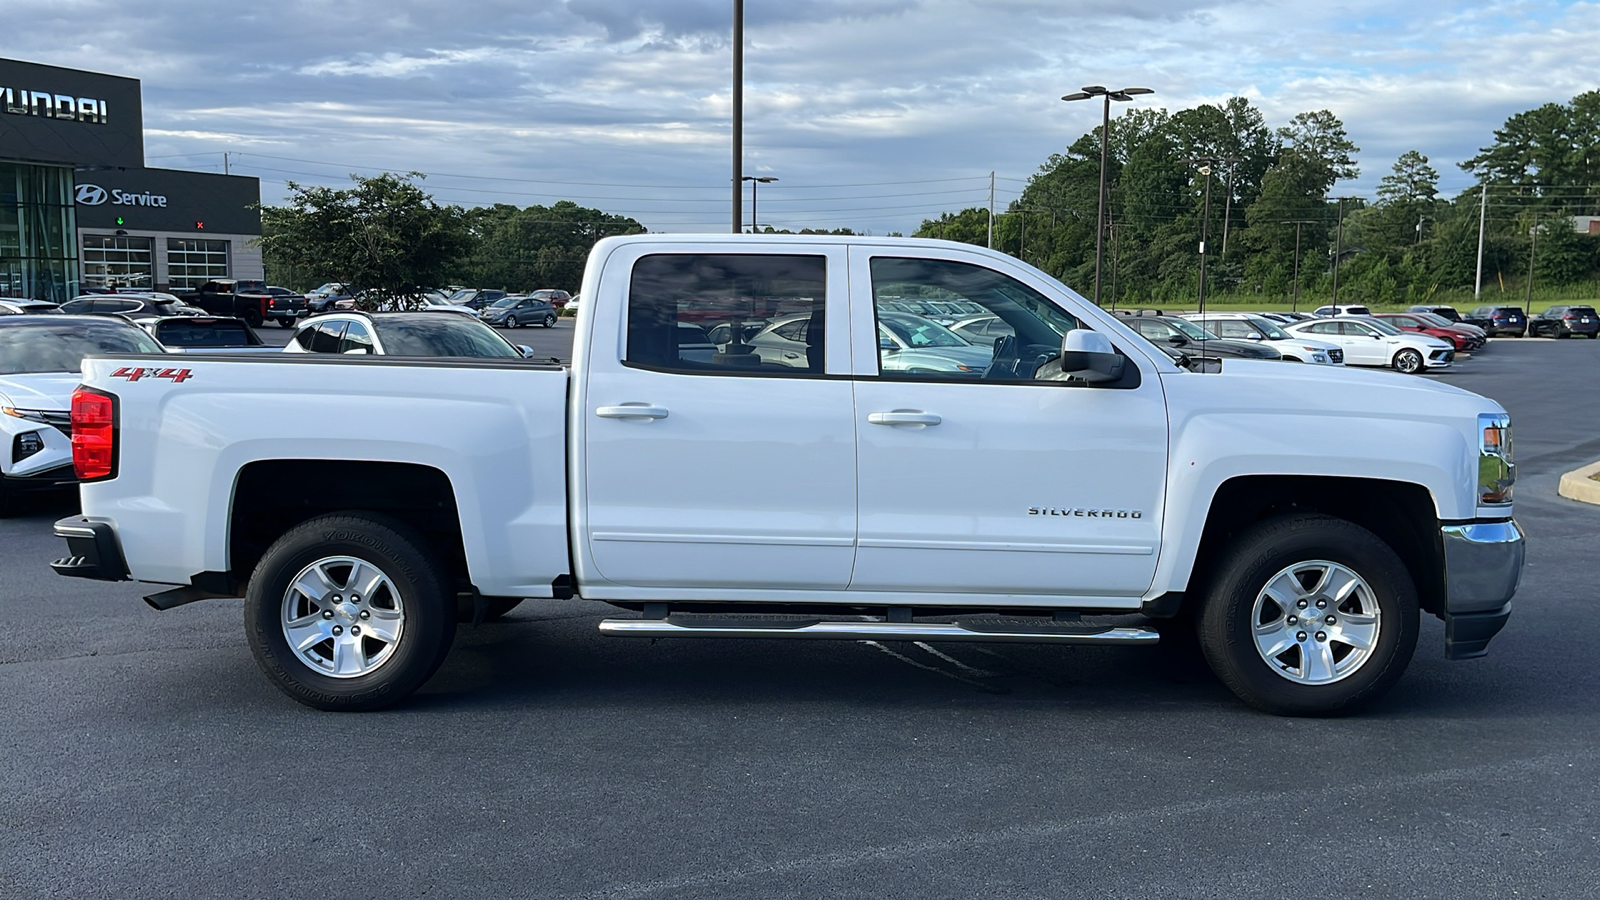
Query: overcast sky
873, 114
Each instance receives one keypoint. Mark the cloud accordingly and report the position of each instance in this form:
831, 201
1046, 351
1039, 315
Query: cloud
910, 102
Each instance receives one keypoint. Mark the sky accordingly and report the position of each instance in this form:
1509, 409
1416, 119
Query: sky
872, 114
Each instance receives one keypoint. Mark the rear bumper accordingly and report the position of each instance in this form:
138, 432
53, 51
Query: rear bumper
1483, 566
93, 549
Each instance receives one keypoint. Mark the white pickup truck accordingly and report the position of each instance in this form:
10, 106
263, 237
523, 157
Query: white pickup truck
749, 444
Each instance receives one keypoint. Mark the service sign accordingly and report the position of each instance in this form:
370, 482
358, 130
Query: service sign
167, 200
66, 116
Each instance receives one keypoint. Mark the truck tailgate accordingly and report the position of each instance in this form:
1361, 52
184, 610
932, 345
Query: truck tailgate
188, 425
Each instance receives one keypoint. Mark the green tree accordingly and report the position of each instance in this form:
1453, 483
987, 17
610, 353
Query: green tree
1319, 139
385, 233
523, 249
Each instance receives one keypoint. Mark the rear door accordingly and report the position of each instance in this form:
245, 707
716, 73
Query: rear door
710, 467
984, 479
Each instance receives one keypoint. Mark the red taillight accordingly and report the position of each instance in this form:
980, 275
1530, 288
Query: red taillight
94, 443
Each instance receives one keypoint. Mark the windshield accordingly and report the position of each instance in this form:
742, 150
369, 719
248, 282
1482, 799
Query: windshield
61, 346
446, 334
1190, 330
1434, 319
463, 294
1270, 329
1382, 326
915, 332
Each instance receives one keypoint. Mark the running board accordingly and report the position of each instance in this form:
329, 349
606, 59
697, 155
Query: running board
1005, 631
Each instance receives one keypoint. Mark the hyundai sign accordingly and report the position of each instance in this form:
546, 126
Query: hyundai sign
167, 200
83, 119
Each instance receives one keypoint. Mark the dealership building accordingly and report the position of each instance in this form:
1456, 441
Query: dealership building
79, 209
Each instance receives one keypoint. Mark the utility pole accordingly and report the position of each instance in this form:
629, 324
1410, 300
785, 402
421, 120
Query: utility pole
738, 116
1338, 250
1227, 206
1297, 223
1022, 237
225, 162
1533, 244
1483, 215
991, 210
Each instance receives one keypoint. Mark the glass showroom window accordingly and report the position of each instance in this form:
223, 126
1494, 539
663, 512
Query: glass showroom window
38, 259
192, 262
113, 261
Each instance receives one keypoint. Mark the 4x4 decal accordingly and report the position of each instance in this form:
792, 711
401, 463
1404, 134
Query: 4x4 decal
134, 373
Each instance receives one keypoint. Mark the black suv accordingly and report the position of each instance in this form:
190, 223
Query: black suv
1498, 320
1565, 321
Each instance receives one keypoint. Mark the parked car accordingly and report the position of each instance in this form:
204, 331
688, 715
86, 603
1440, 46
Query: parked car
28, 307
1343, 309
1498, 320
1565, 321
247, 300
474, 298
1369, 342
515, 311
1458, 338
1447, 312
1175, 336
556, 298
131, 306
984, 329
1251, 327
206, 334
1446, 322
401, 334
331, 296
40, 359
916, 344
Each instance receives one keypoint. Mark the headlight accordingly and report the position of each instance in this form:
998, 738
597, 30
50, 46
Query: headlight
1496, 472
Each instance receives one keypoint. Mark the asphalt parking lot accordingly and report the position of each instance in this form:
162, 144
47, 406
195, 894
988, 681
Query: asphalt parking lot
146, 757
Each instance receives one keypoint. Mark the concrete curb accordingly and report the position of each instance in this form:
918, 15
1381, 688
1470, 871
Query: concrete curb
1577, 485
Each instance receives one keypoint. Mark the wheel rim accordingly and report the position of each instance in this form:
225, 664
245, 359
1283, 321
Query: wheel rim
1408, 361
511, 321
549, 321
1316, 622
342, 617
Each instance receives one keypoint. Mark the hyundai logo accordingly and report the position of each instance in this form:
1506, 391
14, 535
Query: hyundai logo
91, 194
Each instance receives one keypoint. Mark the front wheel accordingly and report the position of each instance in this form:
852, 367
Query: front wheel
511, 321
550, 320
349, 612
1309, 615
1408, 361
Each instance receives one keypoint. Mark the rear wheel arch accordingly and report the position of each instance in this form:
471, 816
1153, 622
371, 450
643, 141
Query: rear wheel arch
271, 497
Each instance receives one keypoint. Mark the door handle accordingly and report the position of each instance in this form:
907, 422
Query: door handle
631, 411
903, 417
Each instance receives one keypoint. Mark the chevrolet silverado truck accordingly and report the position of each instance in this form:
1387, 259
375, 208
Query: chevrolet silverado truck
824, 470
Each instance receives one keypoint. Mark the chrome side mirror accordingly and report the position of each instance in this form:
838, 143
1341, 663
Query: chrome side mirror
1088, 356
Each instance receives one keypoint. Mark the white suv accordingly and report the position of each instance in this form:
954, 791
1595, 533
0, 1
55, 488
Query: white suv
1343, 309
1248, 327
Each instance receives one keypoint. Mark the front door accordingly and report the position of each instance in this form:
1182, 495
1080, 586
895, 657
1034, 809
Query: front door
978, 477
709, 464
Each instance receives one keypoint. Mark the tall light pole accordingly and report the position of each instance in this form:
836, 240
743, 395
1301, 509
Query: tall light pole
1338, 249
738, 115
1533, 246
1122, 94
1297, 223
755, 180
1205, 227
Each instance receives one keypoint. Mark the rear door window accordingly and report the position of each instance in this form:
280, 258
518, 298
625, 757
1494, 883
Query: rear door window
356, 339
325, 337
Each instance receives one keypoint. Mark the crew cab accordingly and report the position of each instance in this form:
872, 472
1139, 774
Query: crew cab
1298, 518
247, 300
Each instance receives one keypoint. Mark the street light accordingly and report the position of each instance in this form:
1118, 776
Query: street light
1338, 249
1205, 225
755, 180
1123, 94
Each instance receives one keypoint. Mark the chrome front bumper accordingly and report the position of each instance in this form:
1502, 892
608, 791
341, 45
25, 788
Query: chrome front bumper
1483, 565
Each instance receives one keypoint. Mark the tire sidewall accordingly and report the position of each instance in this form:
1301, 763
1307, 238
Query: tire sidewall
1226, 626
429, 622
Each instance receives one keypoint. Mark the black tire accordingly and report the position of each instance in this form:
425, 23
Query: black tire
511, 321
286, 323
421, 588
1408, 361
1595, 335
1260, 555
498, 606
252, 318
550, 320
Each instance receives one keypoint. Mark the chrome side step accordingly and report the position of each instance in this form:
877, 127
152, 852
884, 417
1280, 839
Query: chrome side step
1004, 630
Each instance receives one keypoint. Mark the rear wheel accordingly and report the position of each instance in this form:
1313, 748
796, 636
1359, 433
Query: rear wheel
1408, 361
349, 612
286, 323
1309, 615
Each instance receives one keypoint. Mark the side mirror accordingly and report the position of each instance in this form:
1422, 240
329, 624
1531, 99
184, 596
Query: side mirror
1254, 336
1177, 340
887, 344
525, 350
357, 351
1088, 356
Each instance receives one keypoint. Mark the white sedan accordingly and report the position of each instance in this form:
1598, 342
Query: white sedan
1371, 342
